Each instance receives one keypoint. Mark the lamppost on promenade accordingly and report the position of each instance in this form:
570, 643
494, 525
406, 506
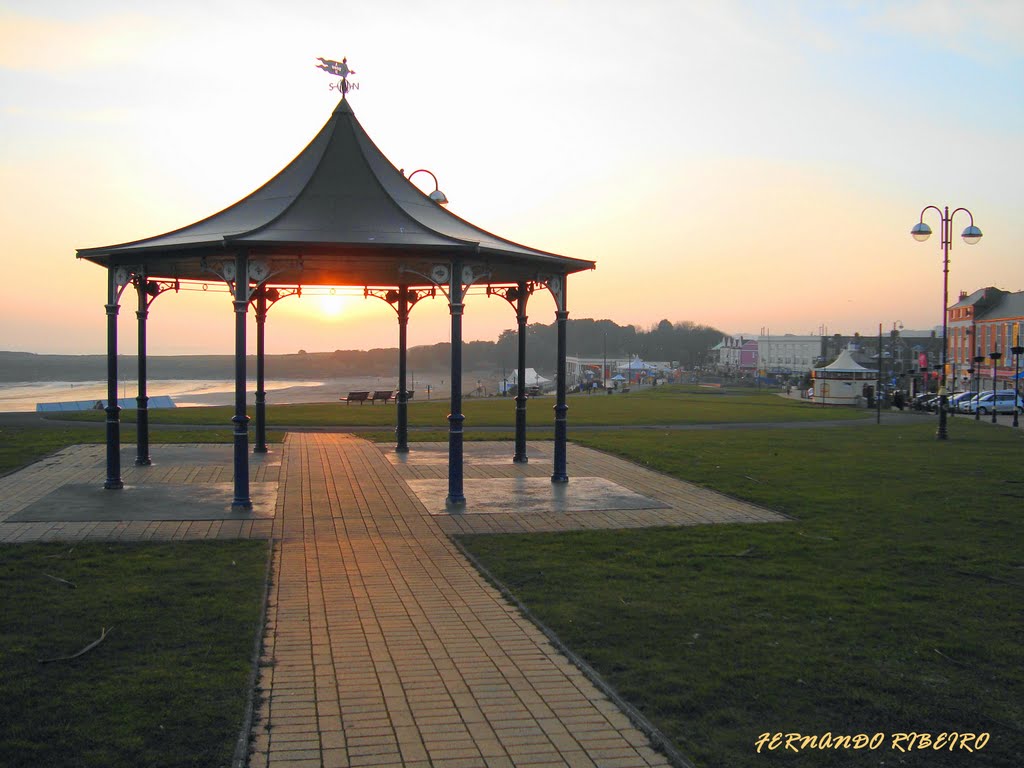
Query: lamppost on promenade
1017, 351
978, 360
996, 355
971, 235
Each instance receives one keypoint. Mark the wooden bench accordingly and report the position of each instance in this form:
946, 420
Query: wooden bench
356, 397
383, 395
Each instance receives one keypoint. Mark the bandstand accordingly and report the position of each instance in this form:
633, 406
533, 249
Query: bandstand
340, 214
842, 382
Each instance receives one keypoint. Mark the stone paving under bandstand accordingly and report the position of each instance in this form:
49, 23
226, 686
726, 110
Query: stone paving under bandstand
383, 646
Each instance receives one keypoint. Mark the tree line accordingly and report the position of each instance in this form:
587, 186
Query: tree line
684, 343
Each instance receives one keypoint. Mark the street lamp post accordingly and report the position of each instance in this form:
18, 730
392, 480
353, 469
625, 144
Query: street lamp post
978, 360
1017, 351
996, 355
971, 235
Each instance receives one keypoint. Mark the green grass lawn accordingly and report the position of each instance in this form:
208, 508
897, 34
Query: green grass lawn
891, 604
662, 405
169, 684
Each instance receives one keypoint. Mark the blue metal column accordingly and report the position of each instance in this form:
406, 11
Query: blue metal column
142, 458
520, 456
402, 402
560, 475
261, 389
113, 481
241, 501
456, 497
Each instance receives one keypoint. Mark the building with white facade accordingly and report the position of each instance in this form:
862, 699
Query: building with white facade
789, 354
726, 354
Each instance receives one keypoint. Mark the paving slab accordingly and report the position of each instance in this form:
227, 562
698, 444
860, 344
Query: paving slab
80, 502
531, 495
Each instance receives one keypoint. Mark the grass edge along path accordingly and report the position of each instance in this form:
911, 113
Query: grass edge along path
889, 605
170, 683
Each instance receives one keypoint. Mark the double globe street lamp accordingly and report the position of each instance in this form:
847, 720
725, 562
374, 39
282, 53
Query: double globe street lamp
971, 235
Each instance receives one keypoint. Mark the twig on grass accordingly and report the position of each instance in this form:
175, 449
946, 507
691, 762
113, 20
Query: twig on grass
948, 658
62, 581
103, 636
60, 554
819, 538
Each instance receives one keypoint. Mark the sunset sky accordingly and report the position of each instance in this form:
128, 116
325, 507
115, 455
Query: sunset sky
739, 164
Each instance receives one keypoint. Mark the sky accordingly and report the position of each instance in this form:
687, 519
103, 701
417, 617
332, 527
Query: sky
745, 165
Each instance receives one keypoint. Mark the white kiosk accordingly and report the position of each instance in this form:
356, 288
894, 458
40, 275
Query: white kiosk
843, 382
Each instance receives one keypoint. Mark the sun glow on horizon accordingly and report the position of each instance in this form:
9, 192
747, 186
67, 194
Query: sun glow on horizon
332, 305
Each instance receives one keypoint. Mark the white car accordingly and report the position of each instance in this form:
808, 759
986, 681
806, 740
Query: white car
958, 402
1006, 401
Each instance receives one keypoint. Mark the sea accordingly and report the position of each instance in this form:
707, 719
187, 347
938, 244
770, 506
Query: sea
23, 396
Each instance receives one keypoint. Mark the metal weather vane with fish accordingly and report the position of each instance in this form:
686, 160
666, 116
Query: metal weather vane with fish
338, 69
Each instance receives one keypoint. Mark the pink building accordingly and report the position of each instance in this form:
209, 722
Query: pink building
748, 356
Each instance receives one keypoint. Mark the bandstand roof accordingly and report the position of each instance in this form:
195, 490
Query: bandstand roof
846, 364
339, 214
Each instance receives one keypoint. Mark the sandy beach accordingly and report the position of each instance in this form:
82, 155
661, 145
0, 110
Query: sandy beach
19, 397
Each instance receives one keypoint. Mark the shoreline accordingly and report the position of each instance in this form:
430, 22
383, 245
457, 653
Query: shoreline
22, 397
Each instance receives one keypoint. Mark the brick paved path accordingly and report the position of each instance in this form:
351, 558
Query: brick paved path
383, 646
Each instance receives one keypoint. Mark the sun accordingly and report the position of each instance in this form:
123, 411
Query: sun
332, 305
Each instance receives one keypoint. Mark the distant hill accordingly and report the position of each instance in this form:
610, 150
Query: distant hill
25, 366
683, 342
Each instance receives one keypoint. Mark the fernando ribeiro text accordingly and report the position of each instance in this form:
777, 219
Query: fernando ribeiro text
900, 742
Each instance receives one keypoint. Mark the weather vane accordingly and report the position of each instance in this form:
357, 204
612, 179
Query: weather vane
338, 69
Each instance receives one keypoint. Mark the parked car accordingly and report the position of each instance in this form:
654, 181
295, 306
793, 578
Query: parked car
960, 399
926, 401
1006, 401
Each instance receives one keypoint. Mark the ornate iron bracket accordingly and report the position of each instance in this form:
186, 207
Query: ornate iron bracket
511, 294
441, 275
391, 295
260, 272
273, 295
123, 277
154, 288
556, 285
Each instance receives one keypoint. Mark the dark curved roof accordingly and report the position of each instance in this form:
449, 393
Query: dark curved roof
347, 213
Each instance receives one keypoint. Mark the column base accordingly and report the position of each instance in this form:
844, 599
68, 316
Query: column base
559, 478
113, 485
455, 505
260, 449
520, 459
241, 506
146, 462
